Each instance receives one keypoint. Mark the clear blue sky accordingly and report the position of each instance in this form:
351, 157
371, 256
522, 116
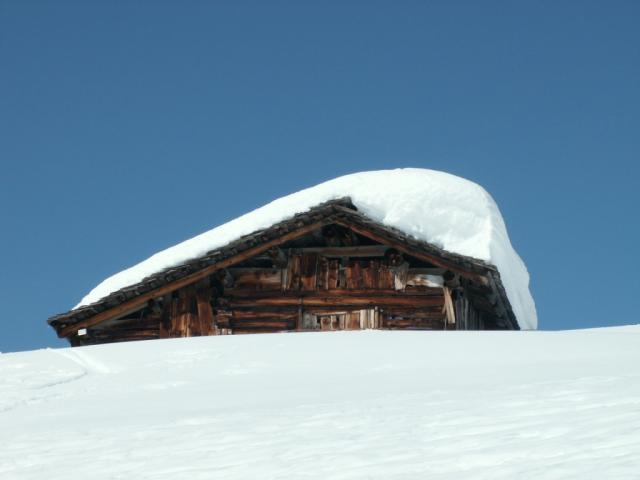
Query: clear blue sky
126, 127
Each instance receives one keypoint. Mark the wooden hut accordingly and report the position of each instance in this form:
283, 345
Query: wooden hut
330, 268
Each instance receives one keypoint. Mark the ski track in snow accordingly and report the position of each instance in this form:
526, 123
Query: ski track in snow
345, 405
83, 360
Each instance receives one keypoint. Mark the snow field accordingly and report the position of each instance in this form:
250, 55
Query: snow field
336, 405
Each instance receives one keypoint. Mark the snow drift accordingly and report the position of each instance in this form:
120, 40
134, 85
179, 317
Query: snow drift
339, 405
442, 209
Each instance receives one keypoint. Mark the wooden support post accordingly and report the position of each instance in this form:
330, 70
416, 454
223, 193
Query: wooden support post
205, 312
448, 308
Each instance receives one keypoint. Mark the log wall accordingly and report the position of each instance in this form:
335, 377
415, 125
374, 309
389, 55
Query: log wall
311, 289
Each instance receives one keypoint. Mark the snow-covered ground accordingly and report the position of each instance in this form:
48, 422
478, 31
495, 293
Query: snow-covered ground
341, 405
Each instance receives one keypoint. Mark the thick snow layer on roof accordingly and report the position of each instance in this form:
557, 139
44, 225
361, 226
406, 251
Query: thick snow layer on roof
442, 209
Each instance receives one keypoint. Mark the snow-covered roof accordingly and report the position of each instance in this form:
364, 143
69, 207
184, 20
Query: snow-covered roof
447, 211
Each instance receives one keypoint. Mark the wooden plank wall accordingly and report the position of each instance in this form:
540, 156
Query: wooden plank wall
314, 292
468, 317
309, 292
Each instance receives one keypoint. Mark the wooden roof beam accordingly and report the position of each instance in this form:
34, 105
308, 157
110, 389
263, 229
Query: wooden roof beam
388, 240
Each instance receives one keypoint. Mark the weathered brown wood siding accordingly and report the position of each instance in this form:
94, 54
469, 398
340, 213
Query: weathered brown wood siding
309, 292
316, 292
307, 289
